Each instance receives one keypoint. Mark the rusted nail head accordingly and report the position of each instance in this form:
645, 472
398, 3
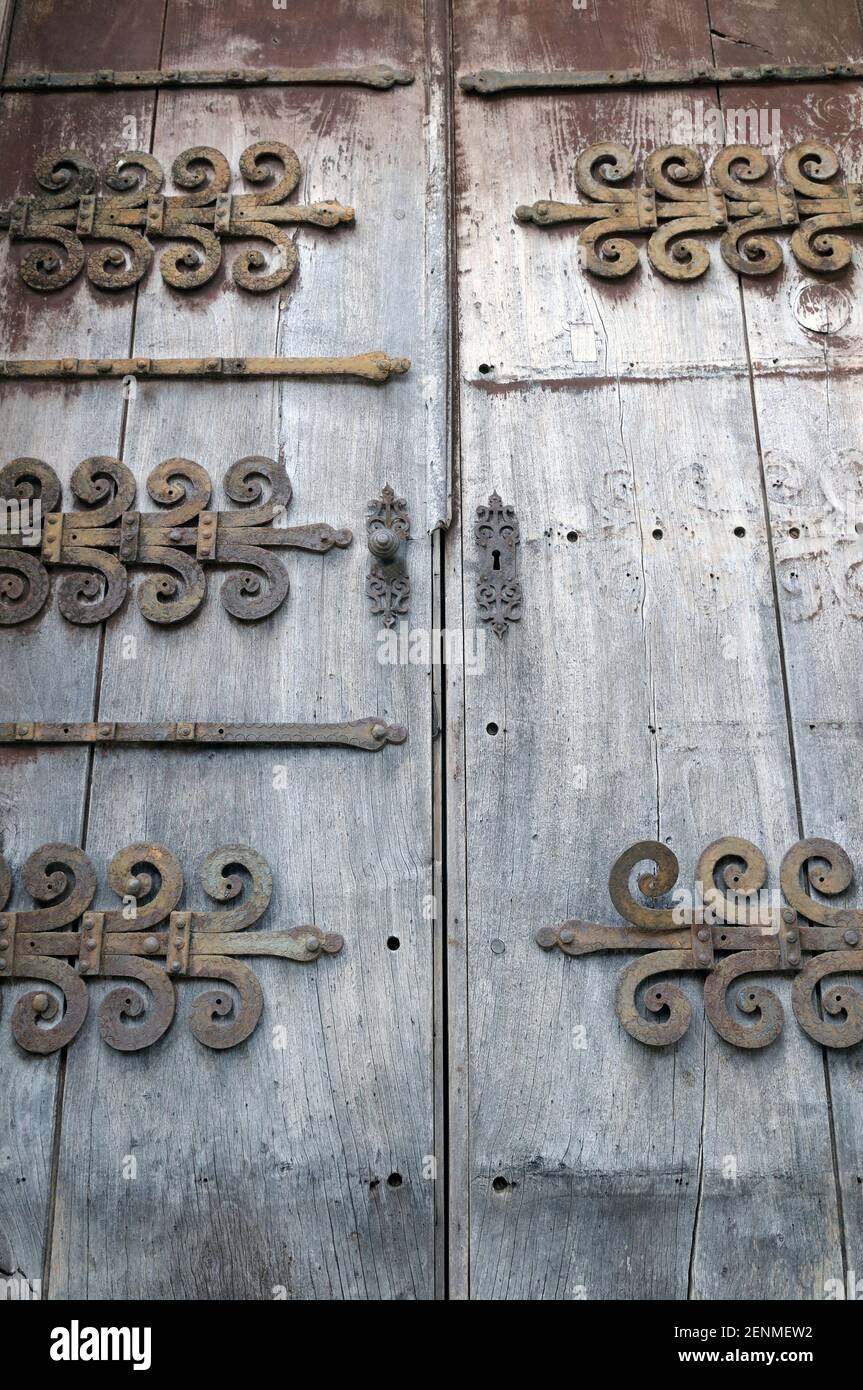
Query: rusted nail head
787, 914
851, 937
567, 936
703, 934
40, 1002
151, 944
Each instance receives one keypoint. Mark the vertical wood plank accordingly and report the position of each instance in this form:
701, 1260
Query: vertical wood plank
305, 1172
48, 668
806, 384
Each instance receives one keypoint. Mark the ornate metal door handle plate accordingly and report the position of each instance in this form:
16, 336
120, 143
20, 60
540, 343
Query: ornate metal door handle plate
498, 590
388, 527
136, 211
146, 940
730, 927
180, 540
672, 204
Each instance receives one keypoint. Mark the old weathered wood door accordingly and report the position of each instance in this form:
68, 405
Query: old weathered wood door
684, 462
443, 1109
301, 1163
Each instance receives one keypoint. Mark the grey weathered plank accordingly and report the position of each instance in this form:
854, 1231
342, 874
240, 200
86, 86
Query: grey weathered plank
641, 695
809, 430
48, 669
261, 1169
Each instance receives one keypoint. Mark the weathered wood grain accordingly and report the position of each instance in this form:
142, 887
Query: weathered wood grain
794, 31
46, 665
67, 35
263, 1170
641, 695
546, 34
809, 429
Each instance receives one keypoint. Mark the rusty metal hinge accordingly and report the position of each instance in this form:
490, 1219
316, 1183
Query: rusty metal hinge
498, 589
740, 204
136, 211
366, 366
490, 81
180, 540
380, 77
370, 734
145, 939
388, 527
730, 926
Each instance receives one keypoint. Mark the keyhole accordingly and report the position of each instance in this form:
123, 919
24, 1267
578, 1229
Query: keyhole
495, 559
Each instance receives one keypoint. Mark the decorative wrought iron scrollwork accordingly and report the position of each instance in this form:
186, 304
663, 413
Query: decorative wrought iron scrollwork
728, 927
180, 541
147, 941
388, 584
675, 206
134, 211
498, 588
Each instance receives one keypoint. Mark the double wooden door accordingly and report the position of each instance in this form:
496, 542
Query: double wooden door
443, 1109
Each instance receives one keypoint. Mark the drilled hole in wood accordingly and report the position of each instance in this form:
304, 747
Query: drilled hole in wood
492, 728
394, 1180
740, 530
500, 1184
657, 534
794, 532
393, 943
485, 368
572, 535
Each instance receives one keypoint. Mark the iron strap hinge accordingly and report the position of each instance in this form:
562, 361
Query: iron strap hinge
178, 542
491, 82
133, 209
369, 734
377, 76
145, 940
673, 205
376, 367
729, 926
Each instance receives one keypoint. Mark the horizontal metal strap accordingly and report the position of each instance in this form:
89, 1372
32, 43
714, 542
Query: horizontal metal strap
370, 366
369, 734
489, 82
379, 76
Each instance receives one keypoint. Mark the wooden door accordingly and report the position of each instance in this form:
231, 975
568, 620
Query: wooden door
443, 1109
684, 668
300, 1164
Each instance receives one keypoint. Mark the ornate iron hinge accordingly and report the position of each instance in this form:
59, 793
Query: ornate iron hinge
728, 929
670, 206
136, 212
388, 585
180, 540
367, 366
368, 734
490, 81
147, 940
498, 590
379, 76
